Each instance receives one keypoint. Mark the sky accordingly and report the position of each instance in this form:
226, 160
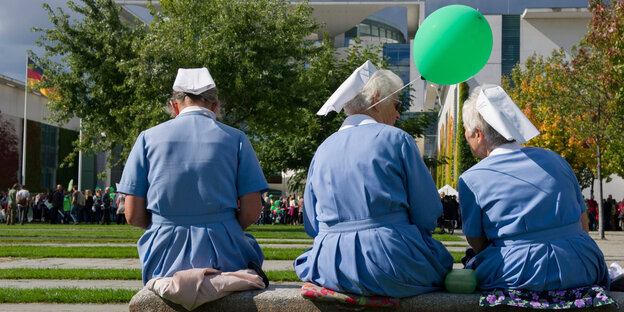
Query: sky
18, 17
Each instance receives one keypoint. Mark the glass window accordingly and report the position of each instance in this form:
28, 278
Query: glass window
365, 30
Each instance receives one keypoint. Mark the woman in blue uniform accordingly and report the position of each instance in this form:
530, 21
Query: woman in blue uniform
522, 208
370, 202
183, 179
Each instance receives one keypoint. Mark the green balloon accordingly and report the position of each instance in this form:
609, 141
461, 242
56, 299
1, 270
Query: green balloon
452, 44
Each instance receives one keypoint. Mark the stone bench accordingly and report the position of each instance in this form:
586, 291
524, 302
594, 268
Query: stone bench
286, 297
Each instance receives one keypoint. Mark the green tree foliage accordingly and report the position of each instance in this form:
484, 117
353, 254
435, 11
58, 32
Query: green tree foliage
271, 79
577, 99
90, 82
538, 90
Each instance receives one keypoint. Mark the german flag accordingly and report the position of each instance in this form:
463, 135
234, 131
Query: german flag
34, 76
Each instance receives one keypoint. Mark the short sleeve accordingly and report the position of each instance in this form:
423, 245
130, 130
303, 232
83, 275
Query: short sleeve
471, 211
310, 221
249, 177
422, 195
134, 177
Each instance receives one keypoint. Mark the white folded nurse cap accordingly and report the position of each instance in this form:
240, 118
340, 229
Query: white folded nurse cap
500, 112
193, 80
348, 89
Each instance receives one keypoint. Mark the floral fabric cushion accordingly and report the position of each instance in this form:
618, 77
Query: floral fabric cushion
591, 296
317, 293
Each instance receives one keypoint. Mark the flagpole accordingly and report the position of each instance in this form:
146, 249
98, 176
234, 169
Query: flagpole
80, 157
24, 134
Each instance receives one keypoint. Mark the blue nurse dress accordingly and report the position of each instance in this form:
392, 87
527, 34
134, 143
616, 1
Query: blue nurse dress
371, 206
528, 203
191, 171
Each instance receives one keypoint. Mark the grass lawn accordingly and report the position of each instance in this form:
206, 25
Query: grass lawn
65, 295
73, 233
71, 274
35, 252
69, 240
47, 226
114, 252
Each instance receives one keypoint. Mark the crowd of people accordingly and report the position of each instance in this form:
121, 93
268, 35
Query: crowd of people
612, 215
62, 206
281, 210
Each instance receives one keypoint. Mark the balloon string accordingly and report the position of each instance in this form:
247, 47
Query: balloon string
393, 93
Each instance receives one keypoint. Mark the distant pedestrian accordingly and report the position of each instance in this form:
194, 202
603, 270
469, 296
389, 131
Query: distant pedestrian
121, 208
67, 207
98, 205
106, 204
88, 210
57, 204
592, 213
78, 203
12, 205
23, 203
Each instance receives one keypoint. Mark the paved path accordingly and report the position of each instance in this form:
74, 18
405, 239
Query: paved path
84, 263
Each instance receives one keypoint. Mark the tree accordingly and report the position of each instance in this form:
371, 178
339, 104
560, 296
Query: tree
538, 90
90, 82
9, 158
271, 78
579, 99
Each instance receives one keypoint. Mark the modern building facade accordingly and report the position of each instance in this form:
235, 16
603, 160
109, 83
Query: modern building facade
47, 144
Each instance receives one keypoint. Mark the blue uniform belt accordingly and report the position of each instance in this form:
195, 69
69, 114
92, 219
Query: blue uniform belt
364, 224
195, 219
561, 232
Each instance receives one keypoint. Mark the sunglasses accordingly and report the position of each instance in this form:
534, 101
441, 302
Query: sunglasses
397, 104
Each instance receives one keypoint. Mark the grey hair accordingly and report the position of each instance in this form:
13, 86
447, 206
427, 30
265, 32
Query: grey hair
383, 81
472, 120
207, 97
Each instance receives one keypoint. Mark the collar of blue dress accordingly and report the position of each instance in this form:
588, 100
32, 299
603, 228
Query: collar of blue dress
356, 120
506, 148
199, 109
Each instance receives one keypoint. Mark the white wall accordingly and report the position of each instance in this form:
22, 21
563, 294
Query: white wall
542, 36
491, 72
12, 103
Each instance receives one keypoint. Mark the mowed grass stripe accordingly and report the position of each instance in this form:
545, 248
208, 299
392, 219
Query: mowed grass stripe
79, 227
114, 252
77, 240
62, 233
129, 233
71, 274
65, 295
109, 274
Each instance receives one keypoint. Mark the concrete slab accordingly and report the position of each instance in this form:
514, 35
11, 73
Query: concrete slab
87, 263
69, 263
288, 298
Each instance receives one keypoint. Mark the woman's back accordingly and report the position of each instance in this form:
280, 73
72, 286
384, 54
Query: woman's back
192, 170
193, 163
528, 203
371, 205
